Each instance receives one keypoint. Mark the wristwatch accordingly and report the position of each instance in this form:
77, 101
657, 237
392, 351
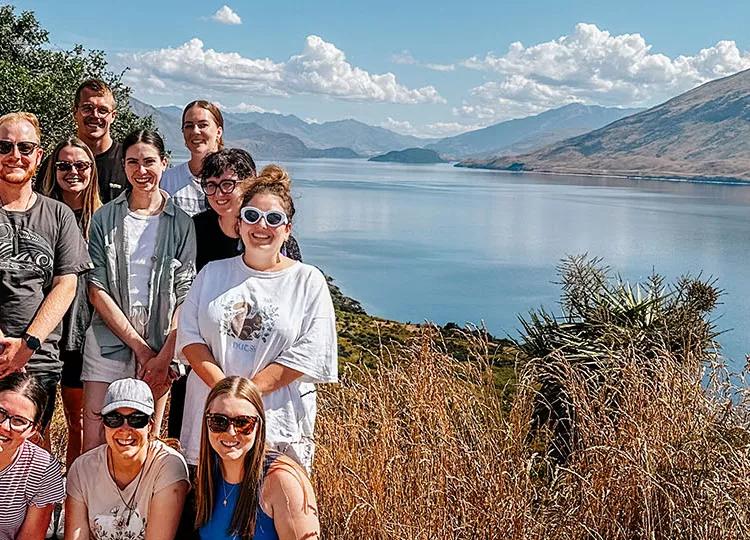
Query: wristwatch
32, 342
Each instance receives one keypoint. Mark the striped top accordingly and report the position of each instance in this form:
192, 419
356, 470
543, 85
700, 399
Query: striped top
33, 478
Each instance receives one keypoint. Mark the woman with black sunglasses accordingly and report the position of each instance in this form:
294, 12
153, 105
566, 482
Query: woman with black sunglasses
72, 179
30, 478
131, 486
263, 316
243, 489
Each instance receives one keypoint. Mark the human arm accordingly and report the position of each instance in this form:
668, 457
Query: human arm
202, 361
76, 519
289, 496
15, 353
165, 510
119, 324
35, 523
155, 372
274, 376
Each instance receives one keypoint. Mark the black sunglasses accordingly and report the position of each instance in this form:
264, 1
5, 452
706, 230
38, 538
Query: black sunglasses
136, 420
17, 423
24, 147
219, 423
66, 166
225, 186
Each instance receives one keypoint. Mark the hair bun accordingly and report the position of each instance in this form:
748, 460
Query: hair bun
273, 174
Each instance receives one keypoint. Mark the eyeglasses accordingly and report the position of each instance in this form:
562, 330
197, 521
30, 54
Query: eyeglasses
24, 147
274, 218
219, 423
17, 423
88, 109
225, 186
67, 166
136, 420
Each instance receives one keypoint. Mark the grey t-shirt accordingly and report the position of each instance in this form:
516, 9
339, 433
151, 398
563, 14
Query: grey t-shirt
35, 246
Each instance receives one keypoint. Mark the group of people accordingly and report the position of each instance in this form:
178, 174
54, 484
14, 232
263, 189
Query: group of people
100, 245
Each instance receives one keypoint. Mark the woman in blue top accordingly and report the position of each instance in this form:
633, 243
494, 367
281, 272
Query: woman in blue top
243, 490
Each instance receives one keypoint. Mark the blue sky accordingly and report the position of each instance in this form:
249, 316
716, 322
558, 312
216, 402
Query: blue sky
424, 68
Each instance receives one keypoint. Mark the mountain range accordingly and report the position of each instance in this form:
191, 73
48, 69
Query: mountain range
701, 134
279, 136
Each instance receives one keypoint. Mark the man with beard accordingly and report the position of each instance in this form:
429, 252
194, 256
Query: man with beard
41, 254
94, 111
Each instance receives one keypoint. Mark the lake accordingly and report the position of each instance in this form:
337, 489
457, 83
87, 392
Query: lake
439, 243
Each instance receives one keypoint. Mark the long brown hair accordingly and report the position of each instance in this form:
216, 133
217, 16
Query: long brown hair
244, 516
91, 200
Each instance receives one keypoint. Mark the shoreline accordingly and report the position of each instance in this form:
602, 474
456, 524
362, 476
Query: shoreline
719, 180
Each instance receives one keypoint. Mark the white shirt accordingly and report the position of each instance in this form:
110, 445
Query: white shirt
184, 188
140, 243
250, 319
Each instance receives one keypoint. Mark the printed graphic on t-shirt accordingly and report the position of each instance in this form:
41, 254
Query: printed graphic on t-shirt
246, 320
25, 251
120, 524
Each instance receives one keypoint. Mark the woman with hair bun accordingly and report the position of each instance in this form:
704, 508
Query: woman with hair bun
263, 316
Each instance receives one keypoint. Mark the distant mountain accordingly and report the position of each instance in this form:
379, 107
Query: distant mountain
262, 143
701, 134
530, 133
410, 155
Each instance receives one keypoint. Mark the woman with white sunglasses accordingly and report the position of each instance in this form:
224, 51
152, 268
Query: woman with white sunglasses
263, 316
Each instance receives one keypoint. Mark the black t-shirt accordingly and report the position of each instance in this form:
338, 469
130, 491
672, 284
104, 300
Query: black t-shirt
213, 245
109, 167
35, 246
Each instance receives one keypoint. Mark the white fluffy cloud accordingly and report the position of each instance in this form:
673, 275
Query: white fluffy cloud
434, 130
406, 58
321, 69
226, 15
591, 66
243, 107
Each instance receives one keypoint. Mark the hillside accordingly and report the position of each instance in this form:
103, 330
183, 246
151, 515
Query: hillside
530, 133
259, 141
410, 155
701, 134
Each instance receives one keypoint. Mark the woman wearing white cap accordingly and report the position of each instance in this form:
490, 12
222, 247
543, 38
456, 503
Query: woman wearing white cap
129, 487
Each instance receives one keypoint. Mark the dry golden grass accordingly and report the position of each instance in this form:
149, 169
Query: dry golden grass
423, 447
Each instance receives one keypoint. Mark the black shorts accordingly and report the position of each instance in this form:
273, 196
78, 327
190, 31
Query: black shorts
71, 371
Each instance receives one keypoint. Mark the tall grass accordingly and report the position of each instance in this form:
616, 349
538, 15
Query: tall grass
422, 446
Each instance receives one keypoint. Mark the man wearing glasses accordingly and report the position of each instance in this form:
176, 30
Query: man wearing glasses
41, 254
94, 111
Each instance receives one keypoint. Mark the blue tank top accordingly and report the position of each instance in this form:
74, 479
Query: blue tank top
217, 528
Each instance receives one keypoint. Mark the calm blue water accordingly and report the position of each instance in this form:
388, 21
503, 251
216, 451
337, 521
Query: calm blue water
439, 243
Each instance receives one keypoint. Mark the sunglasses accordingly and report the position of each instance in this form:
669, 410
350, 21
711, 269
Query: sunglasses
225, 186
24, 147
274, 218
67, 166
136, 420
17, 423
243, 425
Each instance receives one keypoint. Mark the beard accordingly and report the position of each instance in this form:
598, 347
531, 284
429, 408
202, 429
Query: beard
18, 179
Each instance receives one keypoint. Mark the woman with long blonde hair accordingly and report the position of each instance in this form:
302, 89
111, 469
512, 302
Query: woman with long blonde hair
243, 489
72, 179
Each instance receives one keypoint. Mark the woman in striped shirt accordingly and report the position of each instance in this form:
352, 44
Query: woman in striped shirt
30, 478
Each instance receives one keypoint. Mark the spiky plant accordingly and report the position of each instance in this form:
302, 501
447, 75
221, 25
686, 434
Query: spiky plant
605, 324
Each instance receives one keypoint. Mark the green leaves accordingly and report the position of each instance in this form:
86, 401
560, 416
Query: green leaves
36, 78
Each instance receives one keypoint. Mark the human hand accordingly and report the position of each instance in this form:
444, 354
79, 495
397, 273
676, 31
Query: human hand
156, 373
14, 355
142, 356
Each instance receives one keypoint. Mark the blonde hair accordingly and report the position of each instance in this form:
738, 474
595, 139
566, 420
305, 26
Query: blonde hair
23, 116
244, 516
91, 200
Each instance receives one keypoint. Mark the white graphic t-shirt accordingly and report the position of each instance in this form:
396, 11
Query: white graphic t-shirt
110, 517
250, 319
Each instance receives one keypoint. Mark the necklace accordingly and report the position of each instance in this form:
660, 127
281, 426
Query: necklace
25, 207
131, 503
224, 488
